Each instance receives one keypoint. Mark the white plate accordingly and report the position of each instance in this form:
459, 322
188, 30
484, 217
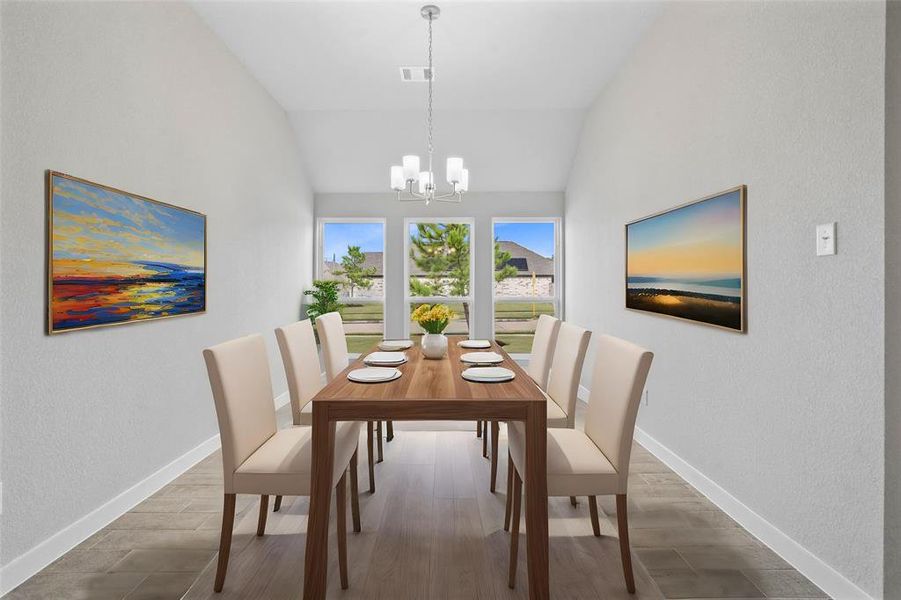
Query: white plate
393, 345
482, 357
373, 374
385, 358
474, 344
488, 374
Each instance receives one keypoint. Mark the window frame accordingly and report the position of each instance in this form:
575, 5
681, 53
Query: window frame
470, 299
557, 298
321, 222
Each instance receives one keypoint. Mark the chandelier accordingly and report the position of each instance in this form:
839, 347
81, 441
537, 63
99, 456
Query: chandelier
404, 176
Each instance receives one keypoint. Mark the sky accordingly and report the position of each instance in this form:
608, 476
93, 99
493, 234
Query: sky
538, 237
337, 237
699, 240
94, 226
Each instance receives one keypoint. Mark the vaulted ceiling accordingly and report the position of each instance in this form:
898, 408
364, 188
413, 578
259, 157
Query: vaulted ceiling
513, 82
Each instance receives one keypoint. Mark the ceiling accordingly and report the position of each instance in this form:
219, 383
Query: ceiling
513, 81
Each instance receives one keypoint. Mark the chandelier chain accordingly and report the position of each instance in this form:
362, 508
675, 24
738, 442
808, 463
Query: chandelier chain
404, 177
431, 78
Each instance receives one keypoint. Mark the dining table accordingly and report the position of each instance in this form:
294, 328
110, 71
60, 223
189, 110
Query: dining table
429, 390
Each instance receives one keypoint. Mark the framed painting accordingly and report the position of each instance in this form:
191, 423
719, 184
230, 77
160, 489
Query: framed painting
115, 257
688, 262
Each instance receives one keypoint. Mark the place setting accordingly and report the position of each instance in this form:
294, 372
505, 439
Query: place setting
374, 374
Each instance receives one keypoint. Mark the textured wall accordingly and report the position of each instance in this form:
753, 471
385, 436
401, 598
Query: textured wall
143, 97
786, 97
892, 306
482, 206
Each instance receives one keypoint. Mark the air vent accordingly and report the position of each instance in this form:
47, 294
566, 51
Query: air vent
417, 74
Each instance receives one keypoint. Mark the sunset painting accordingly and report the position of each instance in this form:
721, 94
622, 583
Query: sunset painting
689, 262
119, 258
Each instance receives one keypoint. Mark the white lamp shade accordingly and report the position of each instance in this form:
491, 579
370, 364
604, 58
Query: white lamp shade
411, 167
464, 181
398, 182
425, 178
454, 169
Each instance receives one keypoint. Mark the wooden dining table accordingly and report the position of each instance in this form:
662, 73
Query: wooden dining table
430, 390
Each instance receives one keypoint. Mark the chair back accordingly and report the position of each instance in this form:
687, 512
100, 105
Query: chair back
242, 392
334, 345
297, 345
543, 349
620, 372
566, 368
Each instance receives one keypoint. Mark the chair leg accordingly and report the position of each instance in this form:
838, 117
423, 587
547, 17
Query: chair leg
514, 535
278, 504
354, 493
389, 426
478, 429
510, 469
341, 523
573, 501
495, 431
225, 540
264, 509
485, 440
593, 509
379, 432
622, 521
369, 441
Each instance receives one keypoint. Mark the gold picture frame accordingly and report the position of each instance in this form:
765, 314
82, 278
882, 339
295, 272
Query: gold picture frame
706, 300
95, 235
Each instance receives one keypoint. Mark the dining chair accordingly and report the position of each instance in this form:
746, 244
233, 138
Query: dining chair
259, 458
543, 343
330, 327
300, 357
594, 462
560, 392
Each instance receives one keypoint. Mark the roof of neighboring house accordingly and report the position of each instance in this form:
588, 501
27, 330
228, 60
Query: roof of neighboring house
525, 261
372, 259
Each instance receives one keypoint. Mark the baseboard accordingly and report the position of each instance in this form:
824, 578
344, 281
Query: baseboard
27, 565
828, 579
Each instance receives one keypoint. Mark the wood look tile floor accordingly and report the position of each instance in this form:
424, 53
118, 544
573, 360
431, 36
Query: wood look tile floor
432, 530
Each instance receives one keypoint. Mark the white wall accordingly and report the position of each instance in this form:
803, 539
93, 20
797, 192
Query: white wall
143, 97
787, 98
481, 206
892, 307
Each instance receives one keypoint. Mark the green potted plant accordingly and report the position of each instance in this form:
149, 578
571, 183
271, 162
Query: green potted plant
325, 298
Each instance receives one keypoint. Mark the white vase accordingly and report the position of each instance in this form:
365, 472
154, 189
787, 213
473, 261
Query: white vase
434, 345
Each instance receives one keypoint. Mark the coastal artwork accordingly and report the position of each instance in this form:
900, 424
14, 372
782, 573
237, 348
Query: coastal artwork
689, 262
116, 258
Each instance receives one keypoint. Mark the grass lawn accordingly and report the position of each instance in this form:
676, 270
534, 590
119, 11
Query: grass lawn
370, 311
522, 310
517, 343
357, 343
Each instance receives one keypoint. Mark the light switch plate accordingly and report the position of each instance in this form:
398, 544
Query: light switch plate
826, 239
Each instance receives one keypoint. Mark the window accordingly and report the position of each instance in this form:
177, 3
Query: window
352, 252
439, 269
527, 270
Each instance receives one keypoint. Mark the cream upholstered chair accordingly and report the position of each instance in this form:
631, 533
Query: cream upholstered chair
259, 458
297, 345
334, 353
560, 391
543, 343
594, 462
300, 357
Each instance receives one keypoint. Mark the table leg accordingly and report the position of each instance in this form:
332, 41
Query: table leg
316, 555
536, 502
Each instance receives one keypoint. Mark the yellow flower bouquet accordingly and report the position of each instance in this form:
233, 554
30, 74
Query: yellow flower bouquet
434, 318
